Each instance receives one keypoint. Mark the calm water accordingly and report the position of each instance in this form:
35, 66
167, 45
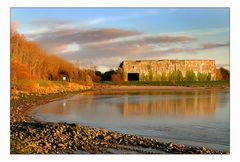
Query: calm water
199, 117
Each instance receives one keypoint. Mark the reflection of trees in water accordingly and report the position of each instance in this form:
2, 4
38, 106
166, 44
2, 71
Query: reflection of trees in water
144, 103
56, 108
195, 104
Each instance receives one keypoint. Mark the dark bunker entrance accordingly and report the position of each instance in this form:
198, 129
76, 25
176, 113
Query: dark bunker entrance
133, 76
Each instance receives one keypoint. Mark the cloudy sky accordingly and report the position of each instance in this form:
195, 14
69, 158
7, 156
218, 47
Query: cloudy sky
103, 37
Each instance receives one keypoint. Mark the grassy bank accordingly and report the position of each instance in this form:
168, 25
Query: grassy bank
168, 83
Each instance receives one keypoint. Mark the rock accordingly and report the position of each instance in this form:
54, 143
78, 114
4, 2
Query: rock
61, 145
141, 142
107, 137
170, 144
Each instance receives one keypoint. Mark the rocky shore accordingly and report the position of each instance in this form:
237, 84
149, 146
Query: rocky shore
32, 137
55, 138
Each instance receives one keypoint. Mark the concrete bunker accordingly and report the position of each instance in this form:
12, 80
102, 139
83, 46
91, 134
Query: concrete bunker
161, 70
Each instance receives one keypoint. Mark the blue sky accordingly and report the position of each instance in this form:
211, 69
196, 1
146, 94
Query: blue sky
109, 35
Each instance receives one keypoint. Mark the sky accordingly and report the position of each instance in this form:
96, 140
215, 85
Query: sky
104, 37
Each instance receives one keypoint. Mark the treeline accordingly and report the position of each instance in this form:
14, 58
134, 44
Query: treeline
189, 76
30, 61
117, 76
221, 74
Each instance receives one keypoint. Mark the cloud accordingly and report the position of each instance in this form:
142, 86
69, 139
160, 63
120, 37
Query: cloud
109, 46
139, 46
213, 45
71, 48
49, 22
168, 39
112, 53
50, 39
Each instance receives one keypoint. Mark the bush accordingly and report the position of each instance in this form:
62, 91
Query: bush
117, 78
164, 77
24, 85
87, 81
19, 71
94, 76
175, 76
209, 77
107, 75
190, 76
202, 76
225, 74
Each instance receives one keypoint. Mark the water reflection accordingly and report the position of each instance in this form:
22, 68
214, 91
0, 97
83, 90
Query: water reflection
195, 104
196, 117
139, 104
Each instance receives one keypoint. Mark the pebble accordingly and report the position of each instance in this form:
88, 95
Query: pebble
47, 138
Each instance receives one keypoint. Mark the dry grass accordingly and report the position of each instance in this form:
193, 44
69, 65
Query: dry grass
27, 87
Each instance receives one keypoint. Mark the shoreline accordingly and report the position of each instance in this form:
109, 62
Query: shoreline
141, 87
26, 122
54, 138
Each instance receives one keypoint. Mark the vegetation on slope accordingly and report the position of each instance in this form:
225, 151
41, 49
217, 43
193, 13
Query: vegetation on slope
30, 62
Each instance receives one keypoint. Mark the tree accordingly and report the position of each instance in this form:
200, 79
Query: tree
209, 77
222, 74
92, 74
164, 77
117, 77
175, 76
29, 60
203, 76
179, 76
225, 74
190, 76
19, 71
107, 75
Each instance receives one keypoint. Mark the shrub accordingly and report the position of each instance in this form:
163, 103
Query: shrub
151, 76
178, 75
175, 76
164, 77
222, 74
107, 75
19, 71
24, 85
202, 76
209, 77
190, 76
117, 78
225, 74
94, 76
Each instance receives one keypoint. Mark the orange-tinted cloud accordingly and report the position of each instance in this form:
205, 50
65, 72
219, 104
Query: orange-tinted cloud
80, 36
168, 39
110, 45
213, 45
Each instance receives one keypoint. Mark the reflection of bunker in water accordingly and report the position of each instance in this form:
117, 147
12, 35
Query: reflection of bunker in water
140, 103
193, 105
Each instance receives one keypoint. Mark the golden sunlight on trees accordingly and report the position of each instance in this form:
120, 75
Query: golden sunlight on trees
117, 77
29, 61
222, 74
